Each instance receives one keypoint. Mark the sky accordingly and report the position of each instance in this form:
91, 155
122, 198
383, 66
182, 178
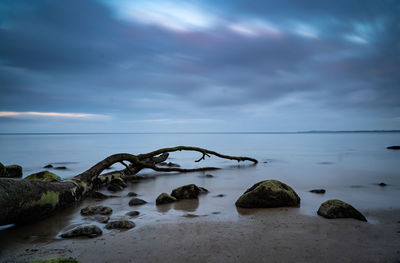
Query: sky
199, 66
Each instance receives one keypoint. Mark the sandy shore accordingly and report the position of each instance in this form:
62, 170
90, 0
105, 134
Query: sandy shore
266, 235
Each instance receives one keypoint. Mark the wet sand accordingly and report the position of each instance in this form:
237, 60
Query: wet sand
263, 235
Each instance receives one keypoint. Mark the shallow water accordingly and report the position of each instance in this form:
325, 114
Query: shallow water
348, 165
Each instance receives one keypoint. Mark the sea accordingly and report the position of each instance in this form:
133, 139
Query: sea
348, 165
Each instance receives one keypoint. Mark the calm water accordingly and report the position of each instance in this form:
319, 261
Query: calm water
348, 165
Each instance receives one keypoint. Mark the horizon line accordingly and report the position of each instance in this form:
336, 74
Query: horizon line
214, 132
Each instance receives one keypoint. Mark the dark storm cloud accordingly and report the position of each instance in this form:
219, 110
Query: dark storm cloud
81, 56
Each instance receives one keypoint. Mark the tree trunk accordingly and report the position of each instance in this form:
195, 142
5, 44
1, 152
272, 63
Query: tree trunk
23, 201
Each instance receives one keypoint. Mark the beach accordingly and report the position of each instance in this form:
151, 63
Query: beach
211, 228
268, 235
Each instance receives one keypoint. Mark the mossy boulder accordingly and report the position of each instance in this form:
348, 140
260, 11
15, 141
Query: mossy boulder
332, 209
96, 210
189, 191
44, 176
120, 224
56, 260
10, 171
3, 171
269, 193
84, 230
14, 171
165, 198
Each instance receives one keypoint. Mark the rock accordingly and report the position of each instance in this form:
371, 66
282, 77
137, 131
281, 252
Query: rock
136, 201
133, 213
3, 171
120, 224
382, 184
98, 195
318, 191
189, 191
96, 210
44, 176
132, 194
14, 171
269, 193
102, 219
48, 166
209, 175
165, 198
85, 230
394, 147
56, 260
60, 168
220, 195
339, 209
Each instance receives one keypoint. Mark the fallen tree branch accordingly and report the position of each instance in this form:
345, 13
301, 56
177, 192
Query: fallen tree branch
23, 201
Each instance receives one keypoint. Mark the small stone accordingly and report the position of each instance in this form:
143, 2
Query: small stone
165, 198
209, 175
220, 195
60, 168
102, 219
120, 224
338, 209
189, 191
48, 166
131, 194
394, 147
216, 213
96, 210
85, 230
382, 184
318, 191
133, 213
136, 201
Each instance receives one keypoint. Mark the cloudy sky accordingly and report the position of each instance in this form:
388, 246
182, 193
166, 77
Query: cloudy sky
155, 66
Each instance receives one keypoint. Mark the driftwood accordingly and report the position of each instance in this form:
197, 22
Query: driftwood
23, 201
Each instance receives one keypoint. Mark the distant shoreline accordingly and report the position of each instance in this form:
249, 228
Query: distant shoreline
278, 132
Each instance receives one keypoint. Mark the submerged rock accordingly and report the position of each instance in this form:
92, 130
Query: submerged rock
120, 224
56, 260
48, 166
44, 176
133, 213
189, 191
96, 210
318, 191
132, 194
85, 230
394, 147
338, 209
14, 171
102, 219
165, 198
220, 195
269, 193
137, 201
382, 184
